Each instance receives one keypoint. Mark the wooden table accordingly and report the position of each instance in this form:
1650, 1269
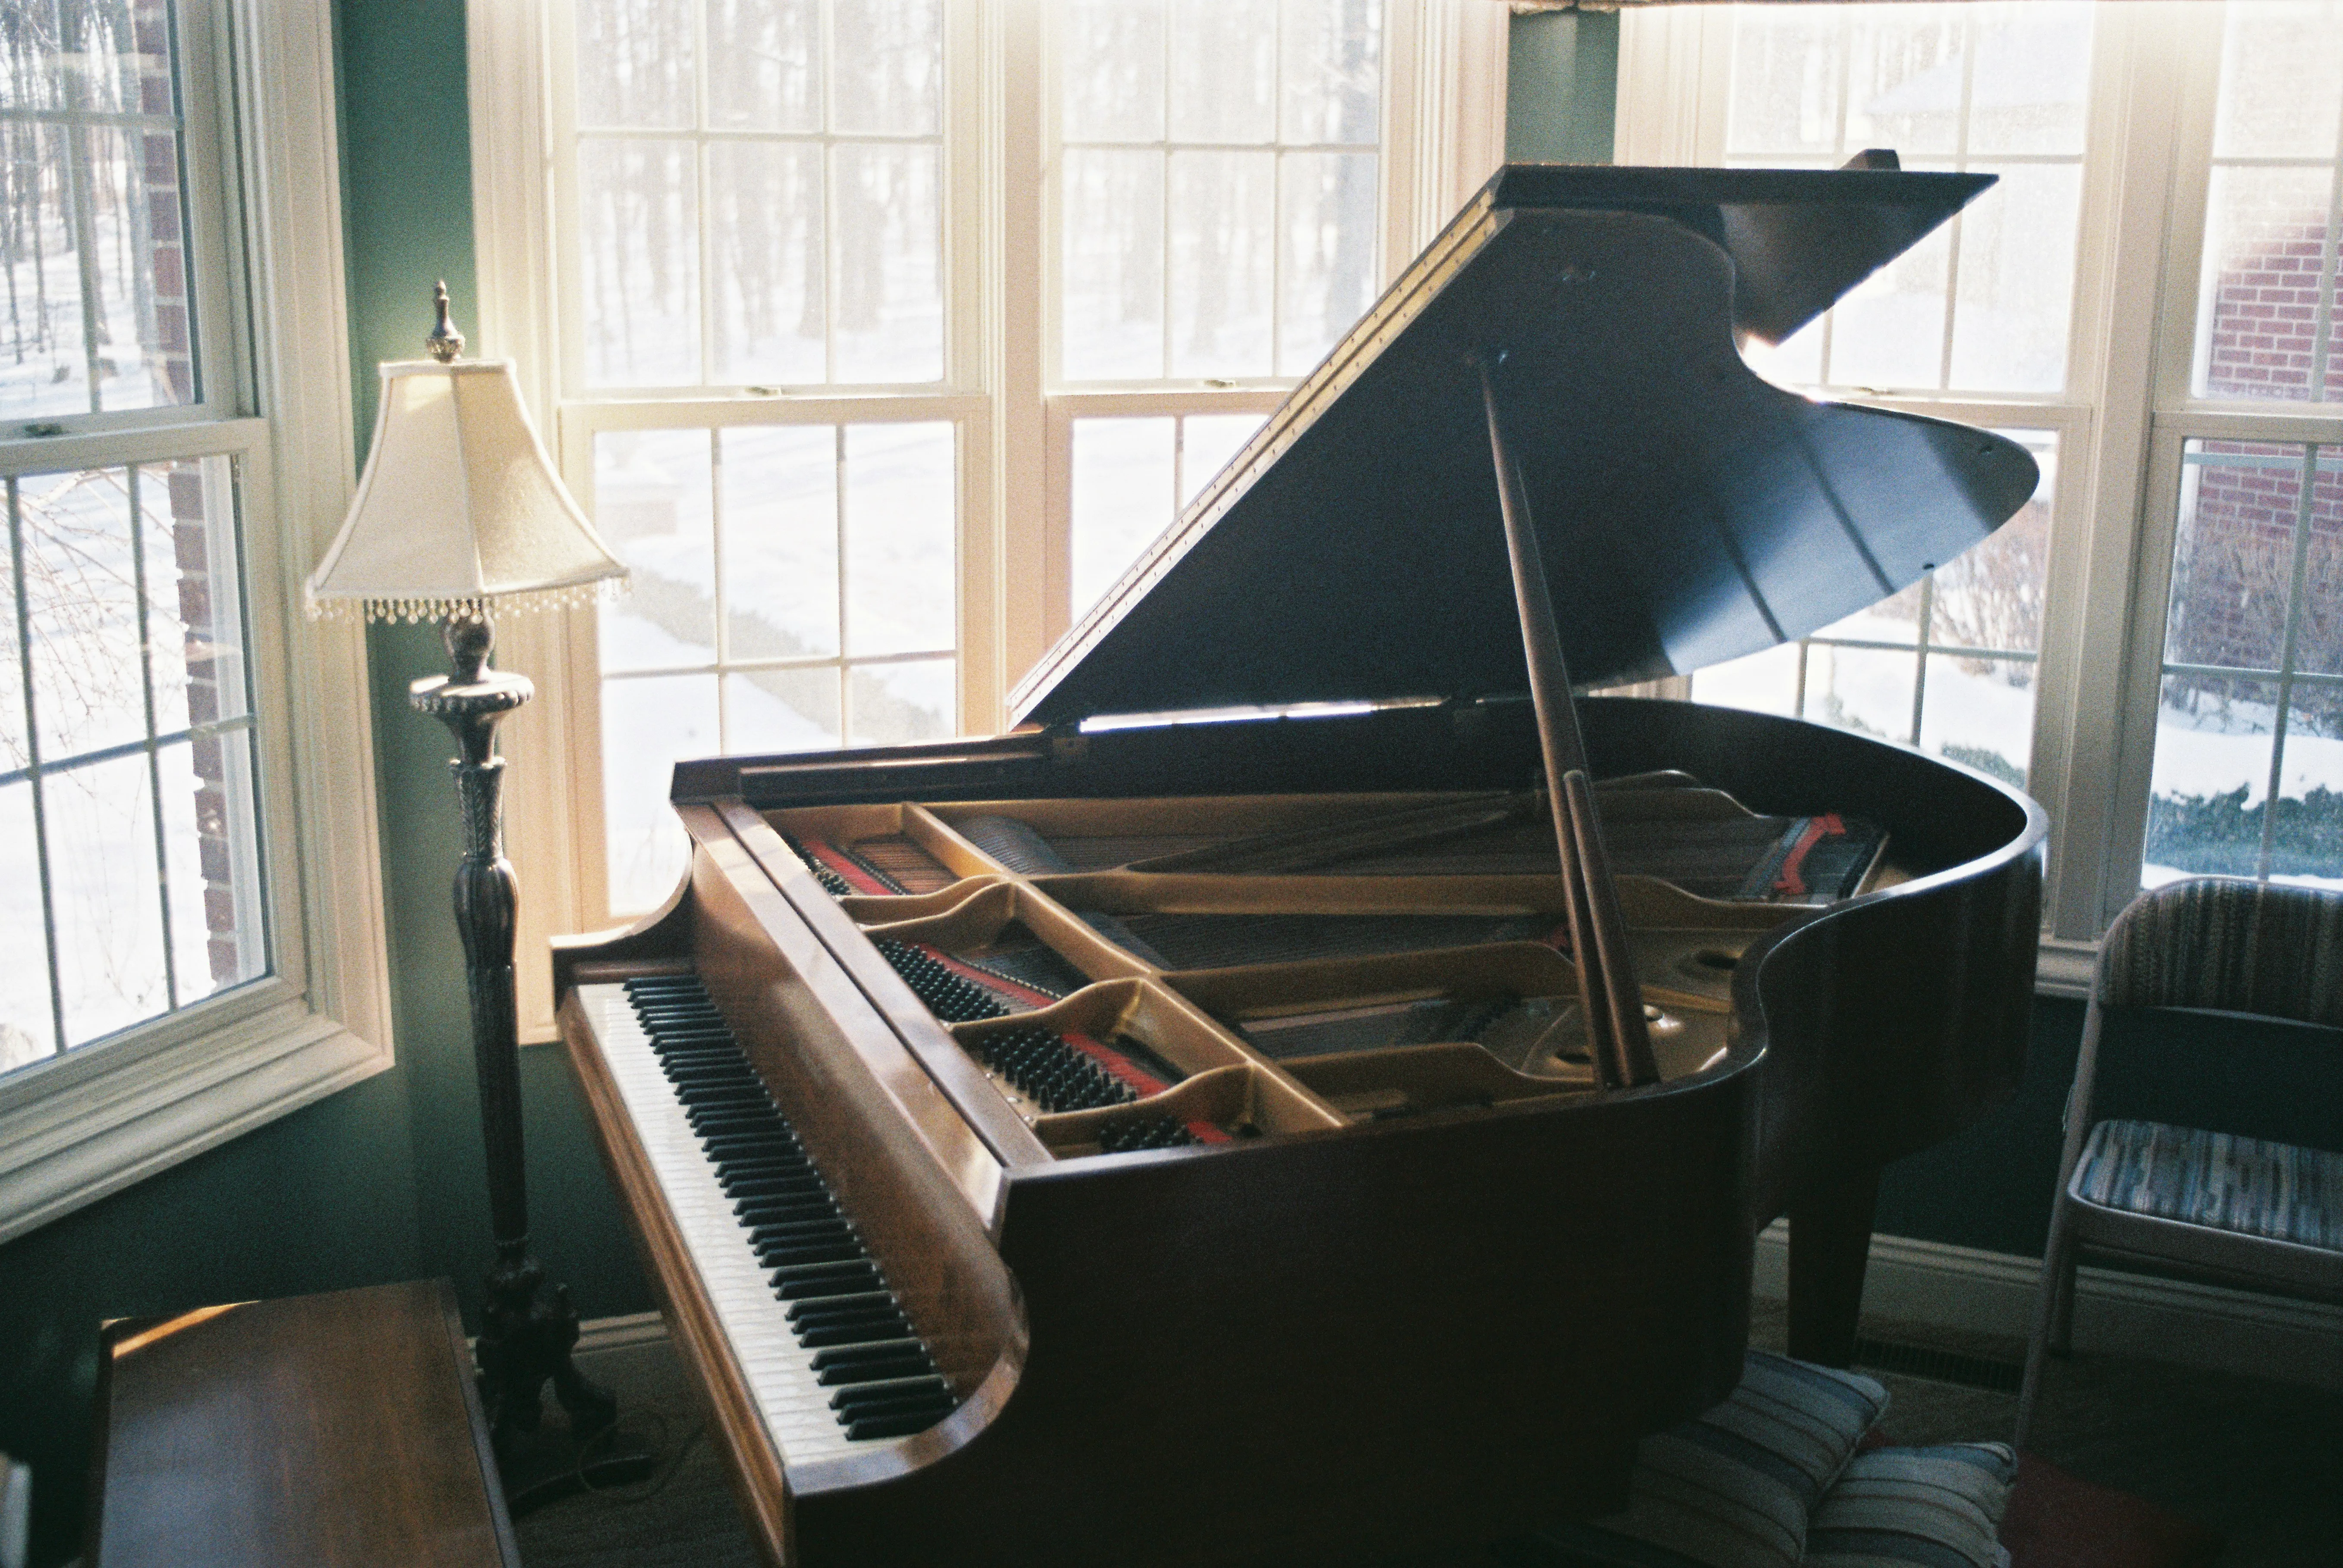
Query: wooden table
319, 1430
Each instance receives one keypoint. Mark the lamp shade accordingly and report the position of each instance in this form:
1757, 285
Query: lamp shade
458, 504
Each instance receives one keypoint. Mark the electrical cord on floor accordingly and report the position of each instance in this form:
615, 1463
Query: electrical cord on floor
662, 1472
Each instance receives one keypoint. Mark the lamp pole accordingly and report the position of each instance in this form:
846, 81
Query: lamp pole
525, 1341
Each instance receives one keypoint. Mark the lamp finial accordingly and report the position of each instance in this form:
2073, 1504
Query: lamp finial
445, 341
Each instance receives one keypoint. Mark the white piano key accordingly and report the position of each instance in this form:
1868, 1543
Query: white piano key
795, 1407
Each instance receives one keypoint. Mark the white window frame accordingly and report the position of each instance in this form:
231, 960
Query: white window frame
1445, 113
85, 1123
2121, 421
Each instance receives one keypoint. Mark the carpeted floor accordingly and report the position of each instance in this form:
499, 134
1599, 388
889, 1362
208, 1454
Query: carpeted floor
2261, 1464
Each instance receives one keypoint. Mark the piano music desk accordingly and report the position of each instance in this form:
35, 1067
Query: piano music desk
316, 1432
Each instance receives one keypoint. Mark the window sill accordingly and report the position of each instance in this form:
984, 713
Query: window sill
80, 1127
2065, 967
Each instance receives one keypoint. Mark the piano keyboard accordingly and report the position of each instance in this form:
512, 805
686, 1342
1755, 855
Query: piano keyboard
829, 1356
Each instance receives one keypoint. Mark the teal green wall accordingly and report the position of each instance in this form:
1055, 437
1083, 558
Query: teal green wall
383, 1181
1562, 87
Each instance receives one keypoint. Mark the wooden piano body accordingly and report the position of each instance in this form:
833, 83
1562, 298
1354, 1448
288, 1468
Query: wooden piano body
1413, 1292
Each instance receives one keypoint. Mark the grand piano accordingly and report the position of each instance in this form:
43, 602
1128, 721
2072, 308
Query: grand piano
1248, 1111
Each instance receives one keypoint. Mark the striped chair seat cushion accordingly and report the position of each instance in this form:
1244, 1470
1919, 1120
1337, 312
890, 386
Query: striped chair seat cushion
2216, 1179
1732, 1487
1938, 1507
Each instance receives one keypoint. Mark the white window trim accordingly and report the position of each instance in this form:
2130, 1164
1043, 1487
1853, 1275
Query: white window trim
88, 1122
1446, 111
2125, 411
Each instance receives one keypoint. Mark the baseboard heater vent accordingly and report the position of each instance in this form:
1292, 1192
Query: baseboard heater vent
1938, 1366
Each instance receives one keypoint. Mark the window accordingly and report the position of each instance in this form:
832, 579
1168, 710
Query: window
2149, 291
890, 331
1980, 309
168, 816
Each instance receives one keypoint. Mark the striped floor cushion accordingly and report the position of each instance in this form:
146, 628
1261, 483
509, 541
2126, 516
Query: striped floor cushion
1732, 1487
1936, 1507
2216, 1179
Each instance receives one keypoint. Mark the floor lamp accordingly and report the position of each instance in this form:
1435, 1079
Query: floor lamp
459, 509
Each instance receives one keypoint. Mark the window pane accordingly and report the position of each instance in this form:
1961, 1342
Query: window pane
635, 64
1224, 71
1864, 690
2233, 557
1980, 711
1889, 330
1223, 229
781, 543
1991, 596
1112, 83
765, 230
1113, 256
1207, 443
890, 67
1906, 79
2265, 234
27, 1025
94, 237
1121, 501
82, 603
647, 723
1787, 66
1326, 211
887, 303
902, 539
1332, 62
2280, 91
1198, 257
194, 625
1982, 305
109, 910
638, 263
782, 709
764, 64
2257, 575
2017, 284
1763, 682
893, 703
2032, 76
2210, 779
652, 506
1895, 618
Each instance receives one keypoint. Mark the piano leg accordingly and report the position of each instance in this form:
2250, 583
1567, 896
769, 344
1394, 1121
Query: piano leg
1830, 1244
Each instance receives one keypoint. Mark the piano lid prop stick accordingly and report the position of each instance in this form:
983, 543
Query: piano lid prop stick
1622, 995
1559, 742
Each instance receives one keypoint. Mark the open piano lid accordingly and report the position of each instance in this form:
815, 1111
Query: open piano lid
1688, 511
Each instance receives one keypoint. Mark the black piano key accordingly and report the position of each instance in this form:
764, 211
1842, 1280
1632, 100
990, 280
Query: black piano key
810, 1284
811, 1252
800, 1311
880, 1395
909, 1364
873, 1430
838, 1304
863, 1329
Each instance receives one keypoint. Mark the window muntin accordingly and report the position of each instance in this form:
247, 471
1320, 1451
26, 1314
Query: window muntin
93, 253
127, 735
1982, 305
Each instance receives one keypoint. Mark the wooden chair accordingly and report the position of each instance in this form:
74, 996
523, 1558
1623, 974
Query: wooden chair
2233, 1210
